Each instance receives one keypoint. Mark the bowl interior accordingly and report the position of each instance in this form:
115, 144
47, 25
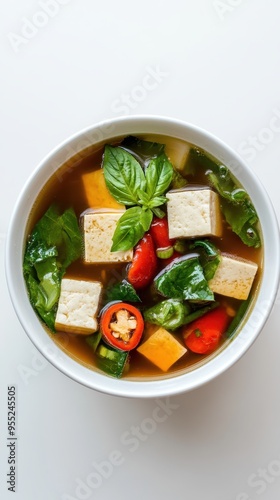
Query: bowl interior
106, 131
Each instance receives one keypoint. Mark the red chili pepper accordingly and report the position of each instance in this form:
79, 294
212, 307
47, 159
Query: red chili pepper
144, 264
159, 232
122, 326
202, 336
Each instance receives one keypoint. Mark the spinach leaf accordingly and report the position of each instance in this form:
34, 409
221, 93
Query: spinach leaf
142, 150
198, 313
170, 314
242, 219
184, 279
209, 257
123, 175
54, 243
236, 205
131, 228
122, 291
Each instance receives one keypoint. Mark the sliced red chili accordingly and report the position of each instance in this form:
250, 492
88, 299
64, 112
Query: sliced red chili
122, 326
202, 336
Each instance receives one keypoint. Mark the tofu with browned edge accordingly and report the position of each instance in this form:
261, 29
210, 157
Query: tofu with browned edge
78, 306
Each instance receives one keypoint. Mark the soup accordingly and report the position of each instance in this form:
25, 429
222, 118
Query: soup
143, 257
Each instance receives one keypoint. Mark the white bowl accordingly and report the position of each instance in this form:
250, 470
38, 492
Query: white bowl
105, 131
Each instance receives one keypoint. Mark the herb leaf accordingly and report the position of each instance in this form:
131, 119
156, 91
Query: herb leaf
159, 174
123, 175
131, 228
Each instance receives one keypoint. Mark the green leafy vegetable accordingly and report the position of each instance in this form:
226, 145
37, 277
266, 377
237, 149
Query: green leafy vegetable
122, 291
198, 313
159, 174
236, 205
184, 279
144, 151
209, 257
142, 192
123, 175
131, 228
170, 314
54, 243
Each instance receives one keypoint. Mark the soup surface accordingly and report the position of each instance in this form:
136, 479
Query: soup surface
84, 184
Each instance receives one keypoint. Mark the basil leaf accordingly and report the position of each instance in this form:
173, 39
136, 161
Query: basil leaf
170, 314
123, 175
159, 174
184, 279
131, 228
122, 291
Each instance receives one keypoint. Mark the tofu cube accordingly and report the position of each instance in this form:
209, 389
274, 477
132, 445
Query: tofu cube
162, 349
234, 277
78, 306
193, 212
99, 227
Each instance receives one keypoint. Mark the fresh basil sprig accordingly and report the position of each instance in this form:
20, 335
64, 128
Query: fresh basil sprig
143, 192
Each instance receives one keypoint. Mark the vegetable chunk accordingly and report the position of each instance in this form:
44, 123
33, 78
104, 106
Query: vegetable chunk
162, 349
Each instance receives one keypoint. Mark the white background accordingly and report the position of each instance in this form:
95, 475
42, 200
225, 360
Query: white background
217, 66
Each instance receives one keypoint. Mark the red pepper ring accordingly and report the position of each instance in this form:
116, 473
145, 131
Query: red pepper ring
122, 326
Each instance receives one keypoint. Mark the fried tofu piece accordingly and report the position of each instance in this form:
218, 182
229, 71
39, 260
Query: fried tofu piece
96, 191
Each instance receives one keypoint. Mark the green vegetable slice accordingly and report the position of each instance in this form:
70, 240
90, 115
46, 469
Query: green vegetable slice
170, 313
184, 279
110, 360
